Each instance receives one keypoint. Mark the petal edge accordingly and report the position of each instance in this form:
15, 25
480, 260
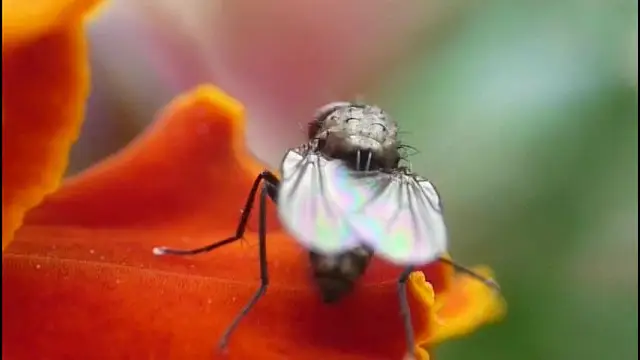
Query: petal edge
37, 135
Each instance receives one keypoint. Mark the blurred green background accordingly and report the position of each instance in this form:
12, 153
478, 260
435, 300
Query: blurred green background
526, 117
529, 125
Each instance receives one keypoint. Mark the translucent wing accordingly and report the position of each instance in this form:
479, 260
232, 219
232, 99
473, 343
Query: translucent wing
305, 208
398, 214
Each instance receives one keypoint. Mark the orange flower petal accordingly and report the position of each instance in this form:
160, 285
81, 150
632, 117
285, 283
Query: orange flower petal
44, 87
461, 309
24, 21
190, 169
83, 261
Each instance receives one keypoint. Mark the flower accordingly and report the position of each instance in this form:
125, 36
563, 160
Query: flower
81, 281
44, 58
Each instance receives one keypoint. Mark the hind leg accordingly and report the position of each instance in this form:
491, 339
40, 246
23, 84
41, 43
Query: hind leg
405, 312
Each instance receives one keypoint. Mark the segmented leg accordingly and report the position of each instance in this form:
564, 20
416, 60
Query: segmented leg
264, 274
405, 311
271, 184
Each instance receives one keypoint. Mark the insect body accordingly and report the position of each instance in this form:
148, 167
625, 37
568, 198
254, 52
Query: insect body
336, 274
344, 197
364, 138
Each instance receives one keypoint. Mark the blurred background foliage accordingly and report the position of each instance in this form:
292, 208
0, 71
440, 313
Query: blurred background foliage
525, 116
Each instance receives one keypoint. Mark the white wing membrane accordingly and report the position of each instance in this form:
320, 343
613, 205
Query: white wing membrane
330, 208
398, 215
305, 207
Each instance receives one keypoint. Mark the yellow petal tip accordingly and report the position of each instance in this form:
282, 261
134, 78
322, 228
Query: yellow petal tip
466, 306
228, 106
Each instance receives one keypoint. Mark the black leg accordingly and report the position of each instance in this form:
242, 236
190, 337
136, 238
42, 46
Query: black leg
463, 269
271, 185
264, 275
405, 311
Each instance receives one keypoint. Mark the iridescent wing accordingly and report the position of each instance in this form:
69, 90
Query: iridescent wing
305, 208
398, 214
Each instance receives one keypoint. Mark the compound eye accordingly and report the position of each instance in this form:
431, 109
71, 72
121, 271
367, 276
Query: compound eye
325, 112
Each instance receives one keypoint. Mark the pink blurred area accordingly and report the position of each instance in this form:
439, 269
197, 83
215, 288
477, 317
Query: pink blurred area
281, 58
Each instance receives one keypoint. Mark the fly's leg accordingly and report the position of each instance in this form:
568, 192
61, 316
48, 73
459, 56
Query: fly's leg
405, 311
271, 185
463, 269
264, 275
404, 302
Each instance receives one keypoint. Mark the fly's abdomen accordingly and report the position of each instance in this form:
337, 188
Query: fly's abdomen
336, 275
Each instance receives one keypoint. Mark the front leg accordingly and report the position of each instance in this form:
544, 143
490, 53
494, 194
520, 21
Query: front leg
271, 184
264, 275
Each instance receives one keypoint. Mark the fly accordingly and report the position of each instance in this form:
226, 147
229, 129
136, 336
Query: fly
345, 197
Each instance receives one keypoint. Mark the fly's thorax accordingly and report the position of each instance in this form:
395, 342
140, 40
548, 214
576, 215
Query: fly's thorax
336, 274
344, 129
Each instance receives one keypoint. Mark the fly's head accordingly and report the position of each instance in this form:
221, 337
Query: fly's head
364, 136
